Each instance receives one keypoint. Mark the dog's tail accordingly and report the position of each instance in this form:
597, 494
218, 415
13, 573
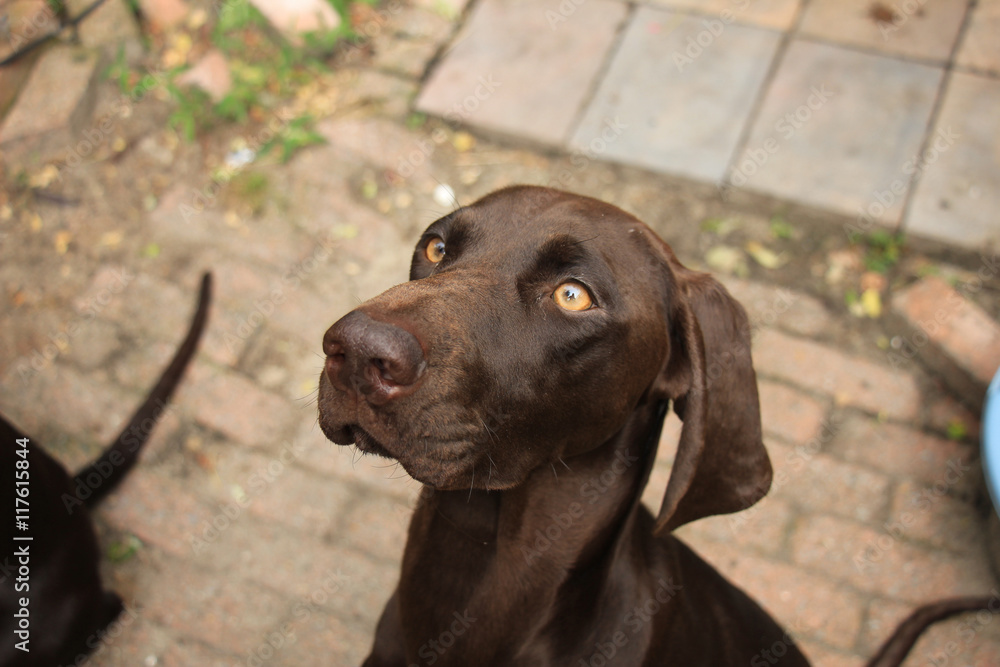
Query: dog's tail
906, 635
108, 470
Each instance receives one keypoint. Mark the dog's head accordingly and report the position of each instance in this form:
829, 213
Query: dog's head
534, 323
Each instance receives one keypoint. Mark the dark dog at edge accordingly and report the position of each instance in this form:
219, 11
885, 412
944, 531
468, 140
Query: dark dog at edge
534, 351
57, 572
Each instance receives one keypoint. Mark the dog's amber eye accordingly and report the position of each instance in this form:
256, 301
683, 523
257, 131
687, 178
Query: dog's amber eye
573, 296
435, 249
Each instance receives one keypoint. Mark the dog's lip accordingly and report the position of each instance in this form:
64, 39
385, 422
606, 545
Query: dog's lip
366, 443
444, 467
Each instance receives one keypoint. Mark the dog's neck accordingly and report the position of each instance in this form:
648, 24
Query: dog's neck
564, 503
563, 520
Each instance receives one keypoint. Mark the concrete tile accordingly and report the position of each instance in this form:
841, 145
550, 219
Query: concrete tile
838, 129
980, 47
523, 67
677, 93
915, 29
110, 24
57, 99
776, 14
958, 193
24, 21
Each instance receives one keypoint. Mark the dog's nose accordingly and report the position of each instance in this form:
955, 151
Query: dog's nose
379, 361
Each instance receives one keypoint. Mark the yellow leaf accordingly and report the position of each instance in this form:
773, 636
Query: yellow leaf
871, 302
44, 177
346, 232
463, 141
765, 256
111, 239
62, 241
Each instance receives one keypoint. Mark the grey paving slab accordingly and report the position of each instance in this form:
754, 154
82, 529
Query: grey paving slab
678, 93
957, 198
980, 47
54, 96
776, 14
837, 129
523, 67
916, 29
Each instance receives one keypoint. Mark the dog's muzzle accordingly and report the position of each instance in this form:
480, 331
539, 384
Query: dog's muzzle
375, 360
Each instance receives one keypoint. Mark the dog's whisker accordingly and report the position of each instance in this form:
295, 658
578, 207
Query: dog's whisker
489, 477
582, 241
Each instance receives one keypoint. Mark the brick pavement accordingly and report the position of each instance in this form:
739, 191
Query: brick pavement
256, 541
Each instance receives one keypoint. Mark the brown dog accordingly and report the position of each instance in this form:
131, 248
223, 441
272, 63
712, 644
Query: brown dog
523, 375
53, 607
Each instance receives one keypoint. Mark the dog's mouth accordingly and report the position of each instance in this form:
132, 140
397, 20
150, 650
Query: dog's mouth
366, 443
353, 434
443, 467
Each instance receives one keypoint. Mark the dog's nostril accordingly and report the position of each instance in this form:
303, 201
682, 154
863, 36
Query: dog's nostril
375, 359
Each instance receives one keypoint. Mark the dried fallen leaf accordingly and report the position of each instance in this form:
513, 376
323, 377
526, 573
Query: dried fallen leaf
463, 142
726, 259
765, 256
197, 19
44, 177
345, 232
62, 240
112, 239
871, 303
719, 226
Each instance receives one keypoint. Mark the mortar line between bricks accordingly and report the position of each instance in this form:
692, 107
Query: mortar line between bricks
829, 401
812, 572
846, 584
852, 412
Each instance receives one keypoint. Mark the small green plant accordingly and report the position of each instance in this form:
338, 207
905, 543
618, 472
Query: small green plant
298, 133
123, 550
193, 110
882, 250
251, 189
956, 430
266, 72
416, 120
781, 228
720, 226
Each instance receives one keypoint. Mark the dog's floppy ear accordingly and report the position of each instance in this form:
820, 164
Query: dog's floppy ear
721, 464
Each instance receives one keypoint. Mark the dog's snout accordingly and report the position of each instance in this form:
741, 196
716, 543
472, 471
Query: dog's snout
378, 360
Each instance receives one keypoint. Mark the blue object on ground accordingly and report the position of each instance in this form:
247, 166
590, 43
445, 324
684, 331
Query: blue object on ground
991, 440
